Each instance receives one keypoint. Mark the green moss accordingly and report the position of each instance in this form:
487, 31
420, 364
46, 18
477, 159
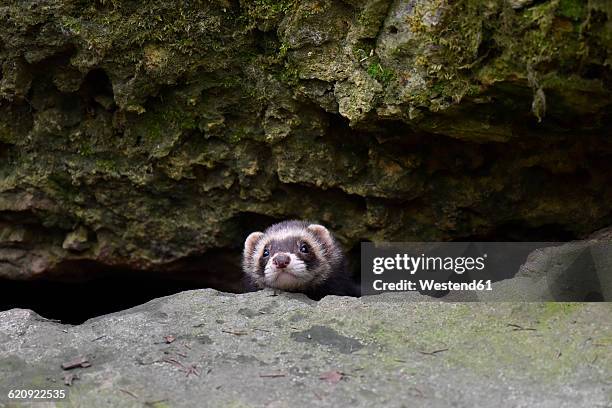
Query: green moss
282, 50
573, 9
380, 73
290, 75
558, 309
71, 24
270, 8
490, 42
114, 3
85, 149
471, 335
361, 52
5, 136
107, 166
265, 11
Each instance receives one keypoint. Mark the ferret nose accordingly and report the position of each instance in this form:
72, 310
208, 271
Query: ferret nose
281, 260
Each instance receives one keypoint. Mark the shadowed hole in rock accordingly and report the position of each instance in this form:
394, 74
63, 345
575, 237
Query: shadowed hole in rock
97, 83
242, 224
97, 89
76, 302
75, 299
266, 42
4, 152
78, 290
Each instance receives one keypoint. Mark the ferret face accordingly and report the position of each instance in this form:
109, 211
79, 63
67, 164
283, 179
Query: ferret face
290, 256
288, 263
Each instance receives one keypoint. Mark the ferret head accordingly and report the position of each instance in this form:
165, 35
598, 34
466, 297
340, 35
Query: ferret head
291, 255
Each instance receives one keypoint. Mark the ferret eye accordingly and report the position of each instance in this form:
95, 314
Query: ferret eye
304, 248
266, 253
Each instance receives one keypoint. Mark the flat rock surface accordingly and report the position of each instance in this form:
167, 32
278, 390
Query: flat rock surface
207, 348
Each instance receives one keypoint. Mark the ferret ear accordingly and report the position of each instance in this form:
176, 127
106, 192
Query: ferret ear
321, 233
251, 241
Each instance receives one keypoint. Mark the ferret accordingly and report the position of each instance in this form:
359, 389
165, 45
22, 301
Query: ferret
297, 256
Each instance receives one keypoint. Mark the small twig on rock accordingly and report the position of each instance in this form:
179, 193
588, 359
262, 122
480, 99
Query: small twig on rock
173, 362
432, 353
273, 375
152, 403
191, 369
262, 330
76, 362
236, 333
129, 393
332, 377
418, 393
516, 327
99, 338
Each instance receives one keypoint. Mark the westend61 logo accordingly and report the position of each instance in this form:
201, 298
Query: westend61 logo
489, 271
426, 268
413, 265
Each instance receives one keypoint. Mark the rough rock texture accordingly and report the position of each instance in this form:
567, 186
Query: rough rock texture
157, 137
256, 350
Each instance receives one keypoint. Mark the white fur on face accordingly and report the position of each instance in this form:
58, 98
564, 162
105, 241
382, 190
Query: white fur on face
293, 276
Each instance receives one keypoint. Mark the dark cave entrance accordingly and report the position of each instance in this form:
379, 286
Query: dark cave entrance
80, 290
76, 302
